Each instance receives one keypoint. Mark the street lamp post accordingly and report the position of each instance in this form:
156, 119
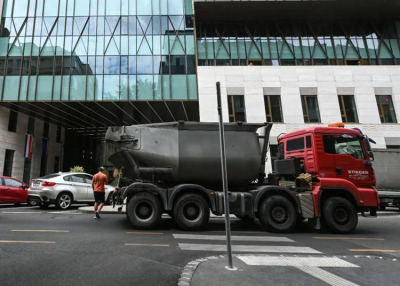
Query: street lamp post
224, 180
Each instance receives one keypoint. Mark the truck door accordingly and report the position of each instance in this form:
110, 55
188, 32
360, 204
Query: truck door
349, 156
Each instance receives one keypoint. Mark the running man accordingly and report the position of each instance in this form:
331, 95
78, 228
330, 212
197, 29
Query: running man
98, 183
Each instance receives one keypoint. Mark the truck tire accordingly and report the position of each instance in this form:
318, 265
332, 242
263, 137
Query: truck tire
191, 212
277, 214
144, 211
340, 215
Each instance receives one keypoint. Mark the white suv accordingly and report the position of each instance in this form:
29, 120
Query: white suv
63, 189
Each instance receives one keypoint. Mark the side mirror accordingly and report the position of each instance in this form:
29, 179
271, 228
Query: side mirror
371, 156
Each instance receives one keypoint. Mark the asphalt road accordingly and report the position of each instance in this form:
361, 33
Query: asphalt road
49, 247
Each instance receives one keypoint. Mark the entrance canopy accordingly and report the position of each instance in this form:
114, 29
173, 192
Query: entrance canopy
93, 118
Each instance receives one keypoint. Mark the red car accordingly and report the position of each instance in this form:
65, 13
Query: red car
13, 191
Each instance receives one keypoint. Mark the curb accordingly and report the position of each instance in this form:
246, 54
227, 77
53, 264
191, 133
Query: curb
190, 268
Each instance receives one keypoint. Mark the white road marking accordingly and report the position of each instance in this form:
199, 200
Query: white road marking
21, 208
249, 248
326, 276
144, 233
234, 237
21, 212
65, 212
296, 261
27, 241
143, 244
309, 265
40, 230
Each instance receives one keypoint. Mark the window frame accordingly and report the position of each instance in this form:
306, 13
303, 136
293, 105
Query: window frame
306, 112
343, 110
269, 114
381, 110
13, 121
231, 107
11, 162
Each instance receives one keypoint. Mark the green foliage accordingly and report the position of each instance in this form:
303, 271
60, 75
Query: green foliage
77, 169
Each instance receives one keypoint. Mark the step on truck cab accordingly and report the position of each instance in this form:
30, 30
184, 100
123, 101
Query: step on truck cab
323, 174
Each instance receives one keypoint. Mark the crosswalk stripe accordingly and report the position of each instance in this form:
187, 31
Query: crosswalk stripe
234, 237
325, 276
249, 248
21, 212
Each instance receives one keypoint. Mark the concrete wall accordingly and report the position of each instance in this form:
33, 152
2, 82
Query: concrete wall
387, 169
16, 141
364, 82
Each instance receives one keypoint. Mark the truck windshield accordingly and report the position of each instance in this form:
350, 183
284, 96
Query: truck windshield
345, 144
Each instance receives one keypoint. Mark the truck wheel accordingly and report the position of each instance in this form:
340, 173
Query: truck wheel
191, 212
340, 215
245, 217
277, 214
144, 211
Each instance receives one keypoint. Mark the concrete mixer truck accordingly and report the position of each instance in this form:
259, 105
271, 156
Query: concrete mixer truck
323, 174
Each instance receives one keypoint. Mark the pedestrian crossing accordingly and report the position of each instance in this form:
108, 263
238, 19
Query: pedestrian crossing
241, 244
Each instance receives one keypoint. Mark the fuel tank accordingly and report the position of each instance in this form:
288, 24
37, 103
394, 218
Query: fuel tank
189, 152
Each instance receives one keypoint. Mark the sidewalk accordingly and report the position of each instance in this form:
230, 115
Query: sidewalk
283, 270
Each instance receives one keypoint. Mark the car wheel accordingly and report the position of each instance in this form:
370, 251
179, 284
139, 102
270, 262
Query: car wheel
109, 201
191, 212
340, 215
63, 201
32, 203
277, 214
144, 211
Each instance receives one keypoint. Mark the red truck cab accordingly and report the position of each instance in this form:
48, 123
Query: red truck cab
339, 161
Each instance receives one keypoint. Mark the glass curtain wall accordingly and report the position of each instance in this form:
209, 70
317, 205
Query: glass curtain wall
112, 50
276, 43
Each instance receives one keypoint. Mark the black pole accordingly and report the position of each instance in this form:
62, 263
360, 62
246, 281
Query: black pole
224, 178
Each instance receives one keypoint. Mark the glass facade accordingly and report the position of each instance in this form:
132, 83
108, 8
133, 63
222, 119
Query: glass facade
298, 43
94, 50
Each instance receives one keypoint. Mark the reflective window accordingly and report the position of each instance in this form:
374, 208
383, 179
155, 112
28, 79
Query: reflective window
236, 107
273, 109
8, 162
75, 50
310, 108
386, 109
12, 183
344, 145
310, 43
348, 108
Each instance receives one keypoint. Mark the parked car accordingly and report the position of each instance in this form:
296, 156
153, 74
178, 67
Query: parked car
64, 189
13, 191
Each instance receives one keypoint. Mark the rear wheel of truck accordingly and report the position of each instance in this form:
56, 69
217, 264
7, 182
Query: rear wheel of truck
191, 212
144, 211
340, 215
277, 214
